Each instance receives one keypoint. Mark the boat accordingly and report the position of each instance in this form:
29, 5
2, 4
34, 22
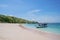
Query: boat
41, 25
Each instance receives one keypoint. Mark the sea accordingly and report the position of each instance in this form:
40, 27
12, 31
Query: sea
51, 27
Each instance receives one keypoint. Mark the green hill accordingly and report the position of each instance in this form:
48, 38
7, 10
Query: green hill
12, 19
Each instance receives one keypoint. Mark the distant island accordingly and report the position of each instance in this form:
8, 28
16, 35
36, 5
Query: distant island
12, 19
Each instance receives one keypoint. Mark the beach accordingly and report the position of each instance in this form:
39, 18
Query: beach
9, 31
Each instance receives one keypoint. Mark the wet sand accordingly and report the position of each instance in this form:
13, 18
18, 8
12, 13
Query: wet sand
18, 32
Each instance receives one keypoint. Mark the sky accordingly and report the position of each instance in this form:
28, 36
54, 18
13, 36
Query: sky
47, 11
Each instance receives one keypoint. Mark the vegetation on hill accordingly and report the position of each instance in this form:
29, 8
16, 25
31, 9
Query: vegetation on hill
11, 19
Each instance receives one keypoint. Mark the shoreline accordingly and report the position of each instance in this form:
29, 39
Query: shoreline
37, 30
46, 34
19, 32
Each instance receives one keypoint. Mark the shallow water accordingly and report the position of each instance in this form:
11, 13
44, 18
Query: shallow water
52, 27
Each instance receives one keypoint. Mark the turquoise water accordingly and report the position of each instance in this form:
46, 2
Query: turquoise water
52, 27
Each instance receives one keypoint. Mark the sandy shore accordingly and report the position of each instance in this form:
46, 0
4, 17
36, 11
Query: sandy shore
18, 32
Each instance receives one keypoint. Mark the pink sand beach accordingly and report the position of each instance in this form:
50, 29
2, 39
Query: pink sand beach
19, 32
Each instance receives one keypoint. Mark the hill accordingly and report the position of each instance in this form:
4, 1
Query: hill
12, 19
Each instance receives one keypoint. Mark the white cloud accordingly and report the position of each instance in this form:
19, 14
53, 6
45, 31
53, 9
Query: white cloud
34, 11
3, 5
42, 18
32, 14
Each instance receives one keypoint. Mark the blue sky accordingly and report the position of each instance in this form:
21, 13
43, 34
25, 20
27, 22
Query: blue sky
37, 10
